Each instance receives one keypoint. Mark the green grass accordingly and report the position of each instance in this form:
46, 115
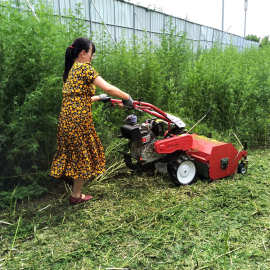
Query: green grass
145, 222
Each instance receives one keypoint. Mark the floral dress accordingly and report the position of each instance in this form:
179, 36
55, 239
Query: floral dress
80, 154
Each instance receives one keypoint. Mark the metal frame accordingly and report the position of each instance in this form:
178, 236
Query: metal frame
95, 18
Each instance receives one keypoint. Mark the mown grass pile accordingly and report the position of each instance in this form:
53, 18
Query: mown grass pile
145, 222
235, 85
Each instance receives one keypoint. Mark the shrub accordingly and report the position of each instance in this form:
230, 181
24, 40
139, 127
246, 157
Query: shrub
30, 91
235, 85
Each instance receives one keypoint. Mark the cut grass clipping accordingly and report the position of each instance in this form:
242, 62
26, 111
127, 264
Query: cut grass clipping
145, 222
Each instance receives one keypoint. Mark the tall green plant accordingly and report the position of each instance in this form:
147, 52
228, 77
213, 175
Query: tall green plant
235, 85
30, 91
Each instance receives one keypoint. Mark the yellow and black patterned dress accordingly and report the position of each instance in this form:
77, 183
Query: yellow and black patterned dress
80, 154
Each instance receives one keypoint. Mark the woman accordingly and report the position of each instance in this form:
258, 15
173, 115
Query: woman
80, 154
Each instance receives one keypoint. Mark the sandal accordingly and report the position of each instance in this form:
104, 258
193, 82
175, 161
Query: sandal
73, 200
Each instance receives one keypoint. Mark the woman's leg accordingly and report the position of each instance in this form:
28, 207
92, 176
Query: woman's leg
77, 188
76, 195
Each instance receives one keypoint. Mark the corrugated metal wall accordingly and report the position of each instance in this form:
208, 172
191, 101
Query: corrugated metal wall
122, 20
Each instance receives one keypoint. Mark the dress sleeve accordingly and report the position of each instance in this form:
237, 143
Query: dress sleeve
90, 74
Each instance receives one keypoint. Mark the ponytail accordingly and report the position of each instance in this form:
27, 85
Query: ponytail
69, 61
73, 51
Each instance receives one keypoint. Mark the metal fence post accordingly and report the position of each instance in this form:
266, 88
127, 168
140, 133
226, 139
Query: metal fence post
90, 16
199, 45
212, 38
114, 21
150, 27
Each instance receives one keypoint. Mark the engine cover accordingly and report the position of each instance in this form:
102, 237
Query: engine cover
131, 132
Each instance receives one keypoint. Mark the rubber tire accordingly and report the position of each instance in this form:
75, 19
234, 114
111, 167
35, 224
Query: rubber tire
131, 165
242, 169
173, 170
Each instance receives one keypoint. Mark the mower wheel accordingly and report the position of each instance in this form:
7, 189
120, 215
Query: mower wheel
135, 166
242, 168
183, 172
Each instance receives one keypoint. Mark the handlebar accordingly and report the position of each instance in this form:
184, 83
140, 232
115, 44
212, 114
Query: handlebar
145, 107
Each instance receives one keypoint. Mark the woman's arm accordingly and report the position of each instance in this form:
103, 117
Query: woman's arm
109, 89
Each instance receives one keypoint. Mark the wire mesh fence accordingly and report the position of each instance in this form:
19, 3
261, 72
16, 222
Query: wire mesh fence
125, 21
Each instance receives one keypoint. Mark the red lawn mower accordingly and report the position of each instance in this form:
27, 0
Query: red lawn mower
163, 143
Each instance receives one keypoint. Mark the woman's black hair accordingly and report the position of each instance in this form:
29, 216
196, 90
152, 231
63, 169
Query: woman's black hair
73, 51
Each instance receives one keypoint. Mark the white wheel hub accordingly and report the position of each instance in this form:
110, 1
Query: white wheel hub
243, 170
186, 172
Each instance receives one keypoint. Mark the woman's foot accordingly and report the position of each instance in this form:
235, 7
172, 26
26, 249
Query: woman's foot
83, 198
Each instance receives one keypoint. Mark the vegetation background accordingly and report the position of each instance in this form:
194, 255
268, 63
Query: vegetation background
234, 84
135, 222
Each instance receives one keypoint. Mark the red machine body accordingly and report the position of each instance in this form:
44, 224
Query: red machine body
220, 158
214, 159
175, 143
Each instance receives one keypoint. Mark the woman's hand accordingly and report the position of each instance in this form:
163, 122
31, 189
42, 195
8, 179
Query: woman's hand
128, 103
101, 97
104, 98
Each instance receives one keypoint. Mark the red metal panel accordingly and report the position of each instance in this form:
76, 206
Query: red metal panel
201, 148
176, 143
203, 144
225, 151
212, 152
